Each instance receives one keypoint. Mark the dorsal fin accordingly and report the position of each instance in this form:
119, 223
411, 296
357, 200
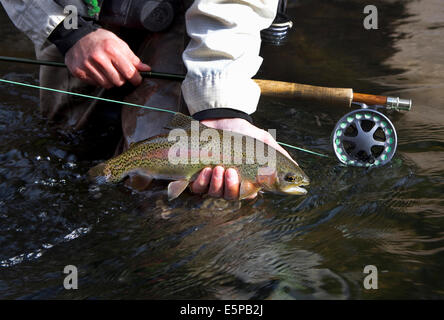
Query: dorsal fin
133, 144
150, 139
179, 120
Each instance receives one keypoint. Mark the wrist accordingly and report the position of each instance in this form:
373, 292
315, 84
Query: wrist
64, 39
221, 113
229, 124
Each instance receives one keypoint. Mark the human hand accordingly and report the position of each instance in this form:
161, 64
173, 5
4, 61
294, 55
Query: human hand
102, 59
225, 183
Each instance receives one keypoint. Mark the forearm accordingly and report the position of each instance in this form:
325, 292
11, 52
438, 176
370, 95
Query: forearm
223, 54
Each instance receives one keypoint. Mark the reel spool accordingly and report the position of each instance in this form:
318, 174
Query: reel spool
364, 138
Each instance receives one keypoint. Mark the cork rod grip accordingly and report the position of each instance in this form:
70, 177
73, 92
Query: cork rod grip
336, 97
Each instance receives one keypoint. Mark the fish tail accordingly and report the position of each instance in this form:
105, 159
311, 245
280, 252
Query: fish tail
97, 173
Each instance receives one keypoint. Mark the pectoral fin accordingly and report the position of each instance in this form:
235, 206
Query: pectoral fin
247, 189
175, 188
138, 182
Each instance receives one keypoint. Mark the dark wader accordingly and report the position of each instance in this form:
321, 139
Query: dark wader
162, 51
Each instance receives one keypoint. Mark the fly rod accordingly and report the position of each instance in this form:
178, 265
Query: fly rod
314, 95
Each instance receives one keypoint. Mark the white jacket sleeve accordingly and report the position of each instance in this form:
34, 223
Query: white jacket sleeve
223, 54
37, 19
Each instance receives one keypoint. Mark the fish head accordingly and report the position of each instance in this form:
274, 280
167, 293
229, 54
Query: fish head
292, 182
283, 180
289, 178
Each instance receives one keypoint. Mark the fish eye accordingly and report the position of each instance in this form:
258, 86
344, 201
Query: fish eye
290, 177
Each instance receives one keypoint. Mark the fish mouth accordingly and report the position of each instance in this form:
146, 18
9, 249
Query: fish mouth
293, 189
297, 189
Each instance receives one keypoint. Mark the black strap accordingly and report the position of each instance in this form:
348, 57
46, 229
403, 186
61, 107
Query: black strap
220, 113
64, 38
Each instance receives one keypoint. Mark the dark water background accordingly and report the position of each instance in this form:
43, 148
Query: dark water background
129, 245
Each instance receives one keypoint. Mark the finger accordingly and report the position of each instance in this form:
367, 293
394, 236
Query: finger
105, 66
91, 81
200, 185
135, 60
217, 182
142, 66
126, 69
97, 76
82, 75
231, 184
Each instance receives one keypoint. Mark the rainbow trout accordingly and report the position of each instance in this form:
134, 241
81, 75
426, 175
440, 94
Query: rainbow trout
180, 157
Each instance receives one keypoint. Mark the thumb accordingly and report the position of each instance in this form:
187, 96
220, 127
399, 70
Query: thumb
139, 65
142, 66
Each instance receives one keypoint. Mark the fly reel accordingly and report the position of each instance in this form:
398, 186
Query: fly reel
364, 138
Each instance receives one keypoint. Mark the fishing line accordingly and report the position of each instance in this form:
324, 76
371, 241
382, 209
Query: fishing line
85, 96
130, 104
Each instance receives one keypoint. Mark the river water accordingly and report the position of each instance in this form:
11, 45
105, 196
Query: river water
139, 245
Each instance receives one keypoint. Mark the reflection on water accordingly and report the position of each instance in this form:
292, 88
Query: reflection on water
419, 53
138, 245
